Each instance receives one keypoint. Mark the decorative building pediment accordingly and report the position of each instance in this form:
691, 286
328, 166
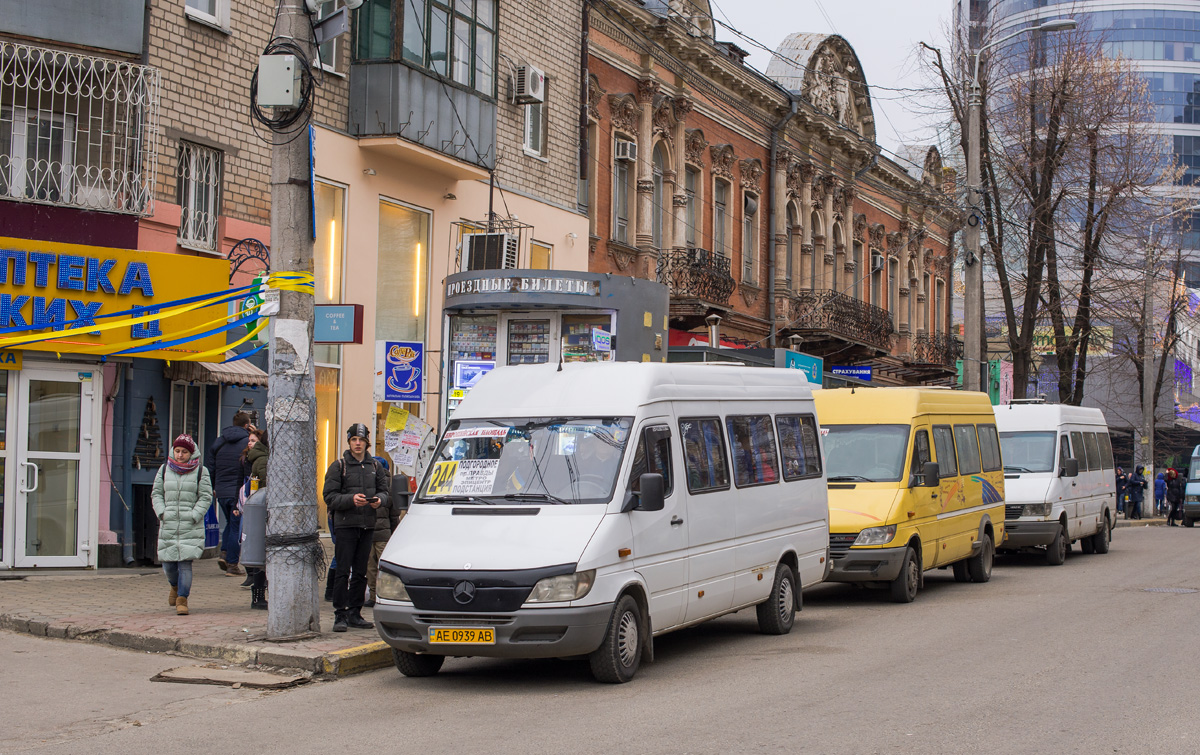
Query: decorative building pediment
623, 110
595, 97
752, 173
694, 146
877, 234
722, 160
860, 227
664, 115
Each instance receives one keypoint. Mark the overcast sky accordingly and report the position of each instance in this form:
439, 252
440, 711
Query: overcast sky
884, 33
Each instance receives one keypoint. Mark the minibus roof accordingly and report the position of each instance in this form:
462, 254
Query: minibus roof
1015, 417
612, 389
883, 406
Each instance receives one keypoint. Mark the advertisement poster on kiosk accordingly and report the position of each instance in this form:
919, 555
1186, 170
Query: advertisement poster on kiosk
399, 371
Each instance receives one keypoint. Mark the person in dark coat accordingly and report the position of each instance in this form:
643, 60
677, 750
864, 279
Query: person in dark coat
1175, 490
1137, 493
224, 464
1122, 484
356, 487
254, 467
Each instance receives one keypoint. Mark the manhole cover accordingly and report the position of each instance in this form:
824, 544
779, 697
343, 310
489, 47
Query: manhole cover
1170, 589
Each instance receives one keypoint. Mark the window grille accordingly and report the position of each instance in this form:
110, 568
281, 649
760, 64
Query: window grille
77, 131
199, 195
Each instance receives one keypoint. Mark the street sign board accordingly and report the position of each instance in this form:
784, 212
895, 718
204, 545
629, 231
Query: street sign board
851, 371
812, 366
337, 323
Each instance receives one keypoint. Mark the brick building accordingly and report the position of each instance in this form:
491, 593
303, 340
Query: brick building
765, 200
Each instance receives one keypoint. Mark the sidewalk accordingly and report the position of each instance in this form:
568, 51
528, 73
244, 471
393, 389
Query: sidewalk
1145, 521
128, 608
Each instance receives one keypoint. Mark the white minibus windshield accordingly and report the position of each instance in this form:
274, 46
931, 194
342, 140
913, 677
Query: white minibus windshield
1028, 451
865, 453
527, 460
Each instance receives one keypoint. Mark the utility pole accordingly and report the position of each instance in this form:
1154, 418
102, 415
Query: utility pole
293, 543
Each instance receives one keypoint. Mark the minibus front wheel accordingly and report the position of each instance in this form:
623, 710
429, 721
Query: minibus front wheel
904, 586
979, 566
618, 657
417, 664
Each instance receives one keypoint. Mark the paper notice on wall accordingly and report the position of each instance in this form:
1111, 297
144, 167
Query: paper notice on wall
391, 440
475, 476
397, 418
404, 456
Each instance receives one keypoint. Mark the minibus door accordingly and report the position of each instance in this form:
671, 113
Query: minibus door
660, 538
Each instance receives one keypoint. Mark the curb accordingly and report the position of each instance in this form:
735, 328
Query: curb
338, 663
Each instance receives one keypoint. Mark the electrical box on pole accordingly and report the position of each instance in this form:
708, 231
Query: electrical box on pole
278, 81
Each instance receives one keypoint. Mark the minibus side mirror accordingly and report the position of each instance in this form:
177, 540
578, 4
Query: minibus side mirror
651, 496
1070, 468
931, 475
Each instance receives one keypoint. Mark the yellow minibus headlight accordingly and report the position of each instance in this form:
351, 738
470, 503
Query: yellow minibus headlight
876, 535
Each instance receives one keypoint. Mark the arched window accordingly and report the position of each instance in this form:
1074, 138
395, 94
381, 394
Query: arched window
818, 256
835, 281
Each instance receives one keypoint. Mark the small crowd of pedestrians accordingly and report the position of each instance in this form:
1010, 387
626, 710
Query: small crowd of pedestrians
1168, 493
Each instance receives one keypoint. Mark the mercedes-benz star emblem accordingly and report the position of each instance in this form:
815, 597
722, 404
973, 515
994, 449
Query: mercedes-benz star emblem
464, 592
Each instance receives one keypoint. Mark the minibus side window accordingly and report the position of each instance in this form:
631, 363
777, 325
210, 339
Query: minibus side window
920, 454
798, 446
989, 448
704, 454
1080, 451
752, 445
1093, 452
1106, 457
659, 460
943, 444
968, 449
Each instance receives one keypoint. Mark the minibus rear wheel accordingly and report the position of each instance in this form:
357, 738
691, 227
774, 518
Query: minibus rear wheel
979, 566
1102, 539
618, 657
414, 664
904, 586
777, 613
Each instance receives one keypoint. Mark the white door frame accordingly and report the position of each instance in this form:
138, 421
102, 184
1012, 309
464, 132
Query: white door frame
24, 471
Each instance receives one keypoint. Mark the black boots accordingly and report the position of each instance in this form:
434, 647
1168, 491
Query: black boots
356, 621
258, 590
339, 621
329, 588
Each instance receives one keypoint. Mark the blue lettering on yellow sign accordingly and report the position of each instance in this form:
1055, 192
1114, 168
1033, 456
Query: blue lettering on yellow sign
41, 267
148, 329
71, 271
10, 311
20, 262
137, 275
97, 275
85, 311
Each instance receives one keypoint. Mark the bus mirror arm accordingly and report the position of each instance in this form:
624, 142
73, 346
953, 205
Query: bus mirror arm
930, 475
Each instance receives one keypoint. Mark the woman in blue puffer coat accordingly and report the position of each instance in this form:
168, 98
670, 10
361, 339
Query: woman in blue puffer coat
182, 493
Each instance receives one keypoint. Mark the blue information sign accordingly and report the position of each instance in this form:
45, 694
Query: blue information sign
851, 371
812, 366
403, 365
337, 323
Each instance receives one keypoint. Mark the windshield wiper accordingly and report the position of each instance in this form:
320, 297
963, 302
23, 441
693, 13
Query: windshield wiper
850, 478
456, 499
535, 497
1015, 468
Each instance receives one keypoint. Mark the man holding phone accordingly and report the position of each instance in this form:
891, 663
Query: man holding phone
356, 486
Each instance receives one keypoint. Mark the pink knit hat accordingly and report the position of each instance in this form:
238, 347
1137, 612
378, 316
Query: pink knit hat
185, 442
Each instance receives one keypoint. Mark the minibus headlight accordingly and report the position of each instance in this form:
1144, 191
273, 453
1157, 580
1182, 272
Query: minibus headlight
876, 535
1036, 509
562, 588
389, 587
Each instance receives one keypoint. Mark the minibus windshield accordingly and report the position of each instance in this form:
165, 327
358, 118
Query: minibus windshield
528, 460
1028, 451
865, 453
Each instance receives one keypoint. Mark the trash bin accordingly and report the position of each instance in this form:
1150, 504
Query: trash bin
254, 530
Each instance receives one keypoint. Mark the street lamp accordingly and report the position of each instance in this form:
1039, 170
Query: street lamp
1148, 345
973, 274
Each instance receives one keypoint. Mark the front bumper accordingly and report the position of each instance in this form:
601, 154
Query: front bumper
1024, 534
867, 564
526, 633
1191, 510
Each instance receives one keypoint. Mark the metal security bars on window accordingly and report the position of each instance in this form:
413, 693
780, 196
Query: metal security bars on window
199, 195
77, 131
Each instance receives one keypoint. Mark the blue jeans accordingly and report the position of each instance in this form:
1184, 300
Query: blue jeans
231, 538
179, 574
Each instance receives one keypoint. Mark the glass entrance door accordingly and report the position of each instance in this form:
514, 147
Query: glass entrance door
51, 465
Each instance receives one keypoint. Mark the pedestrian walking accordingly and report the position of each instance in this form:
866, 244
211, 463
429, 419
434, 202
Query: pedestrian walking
225, 467
1175, 490
254, 464
387, 519
1122, 483
356, 487
1136, 488
1160, 494
182, 493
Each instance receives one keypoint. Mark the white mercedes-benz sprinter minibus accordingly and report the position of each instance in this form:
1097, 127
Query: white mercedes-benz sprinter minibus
1059, 481
582, 510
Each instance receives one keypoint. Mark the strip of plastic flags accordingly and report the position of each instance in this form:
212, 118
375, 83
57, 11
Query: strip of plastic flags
247, 316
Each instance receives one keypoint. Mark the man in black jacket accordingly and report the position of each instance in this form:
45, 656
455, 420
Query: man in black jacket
224, 463
356, 487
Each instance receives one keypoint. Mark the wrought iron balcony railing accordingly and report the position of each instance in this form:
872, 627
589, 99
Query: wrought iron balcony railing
842, 316
937, 348
696, 274
77, 131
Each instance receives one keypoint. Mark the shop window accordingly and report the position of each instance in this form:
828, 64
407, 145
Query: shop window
472, 354
798, 445
329, 247
989, 448
654, 460
373, 23
329, 437
720, 218
539, 255
752, 442
968, 449
211, 12
36, 154
537, 117
691, 187
453, 38
199, 192
704, 455
587, 338
750, 238
187, 414
402, 273
943, 444
528, 341
328, 52
622, 175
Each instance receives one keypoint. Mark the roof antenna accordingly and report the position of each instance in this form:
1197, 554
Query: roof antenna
559, 359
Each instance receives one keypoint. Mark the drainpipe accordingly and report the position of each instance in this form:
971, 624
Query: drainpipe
775, 133
126, 463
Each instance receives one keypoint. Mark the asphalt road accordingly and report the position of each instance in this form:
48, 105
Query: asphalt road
1079, 658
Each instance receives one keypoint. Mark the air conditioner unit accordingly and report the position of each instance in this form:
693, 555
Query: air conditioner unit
491, 251
626, 151
876, 263
530, 86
